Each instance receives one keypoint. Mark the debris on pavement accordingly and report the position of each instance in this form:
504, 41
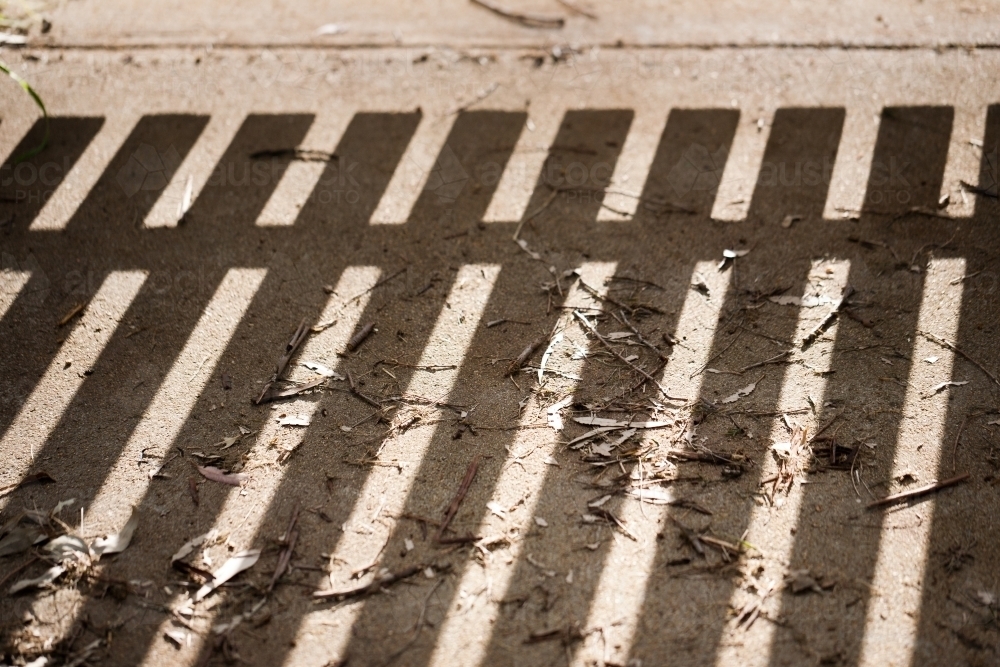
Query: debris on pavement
239, 562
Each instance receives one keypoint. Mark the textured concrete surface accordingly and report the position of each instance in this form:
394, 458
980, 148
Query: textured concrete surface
627, 173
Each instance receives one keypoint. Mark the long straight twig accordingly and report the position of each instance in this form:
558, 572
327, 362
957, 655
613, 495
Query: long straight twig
456, 502
610, 348
916, 493
524, 18
293, 345
663, 356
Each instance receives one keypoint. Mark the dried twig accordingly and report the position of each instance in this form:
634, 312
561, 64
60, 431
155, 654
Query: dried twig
360, 337
576, 9
357, 392
916, 493
289, 539
293, 345
828, 320
545, 205
957, 350
470, 474
590, 327
525, 19
381, 282
522, 358
374, 587
663, 356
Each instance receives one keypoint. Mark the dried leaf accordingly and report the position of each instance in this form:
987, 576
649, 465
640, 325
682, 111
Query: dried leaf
742, 393
548, 353
552, 412
600, 501
117, 543
325, 371
497, 509
19, 540
190, 545
938, 388
179, 637
239, 562
229, 442
294, 420
67, 547
578, 441
214, 474
801, 581
47, 577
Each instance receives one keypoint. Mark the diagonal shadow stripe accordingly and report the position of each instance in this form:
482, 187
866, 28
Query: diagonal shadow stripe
366, 157
137, 174
240, 183
26, 186
906, 171
688, 163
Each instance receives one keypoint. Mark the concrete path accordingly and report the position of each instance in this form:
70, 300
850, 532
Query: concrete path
761, 241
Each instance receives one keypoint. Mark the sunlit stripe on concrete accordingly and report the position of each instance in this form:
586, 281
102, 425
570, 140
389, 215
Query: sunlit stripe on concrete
11, 284
386, 488
736, 187
301, 177
849, 178
517, 183
83, 176
52, 395
466, 633
163, 419
242, 513
625, 573
632, 167
964, 159
197, 167
413, 170
893, 613
774, 526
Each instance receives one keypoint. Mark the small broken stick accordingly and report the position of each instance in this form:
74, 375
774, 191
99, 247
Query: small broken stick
463, 489
373, 587
522, 358
360, 337
828, 320
590, 327
525, 19
357, 392
288, 541
916, 493
293, 345
300, 154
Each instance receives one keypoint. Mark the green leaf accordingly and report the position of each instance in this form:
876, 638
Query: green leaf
41, 105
